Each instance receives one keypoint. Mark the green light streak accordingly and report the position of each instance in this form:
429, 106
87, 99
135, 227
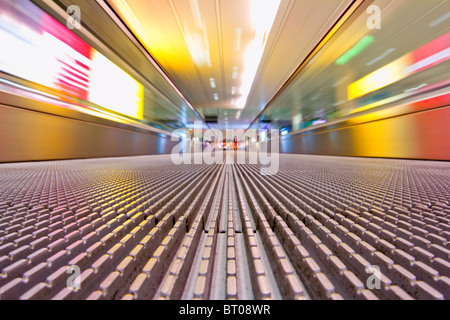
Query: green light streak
357, 49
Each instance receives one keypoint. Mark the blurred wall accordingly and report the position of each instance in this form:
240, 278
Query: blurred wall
418, 135
28, 135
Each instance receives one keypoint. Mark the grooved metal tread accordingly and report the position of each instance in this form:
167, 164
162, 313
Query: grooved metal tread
144, 228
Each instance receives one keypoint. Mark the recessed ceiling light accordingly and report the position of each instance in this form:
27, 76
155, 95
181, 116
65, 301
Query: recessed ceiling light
235, 73
237, 39
439, 20
381, 56
216, 96
212, 82
233, 90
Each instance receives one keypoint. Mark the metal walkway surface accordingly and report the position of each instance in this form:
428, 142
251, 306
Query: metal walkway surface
144, 228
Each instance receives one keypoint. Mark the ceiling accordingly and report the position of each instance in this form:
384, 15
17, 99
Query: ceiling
226, 56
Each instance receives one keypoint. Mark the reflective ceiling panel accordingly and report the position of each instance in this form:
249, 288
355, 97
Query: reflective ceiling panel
229, 57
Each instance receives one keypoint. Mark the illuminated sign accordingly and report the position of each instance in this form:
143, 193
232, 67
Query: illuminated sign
425, 57
38, 48
123, 94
